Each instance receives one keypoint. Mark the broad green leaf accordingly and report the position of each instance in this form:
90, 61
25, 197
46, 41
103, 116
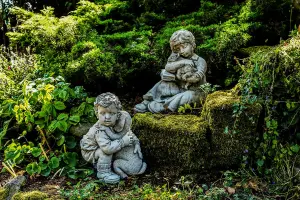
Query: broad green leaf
74, 119
53, 125
59, 105
81, 108
53, 163
39, 122
36, 151
62, 125
63, 95
90, 100
61, 141
70, 158
62, 116
295, 148
46, 172
33, 168
49, 88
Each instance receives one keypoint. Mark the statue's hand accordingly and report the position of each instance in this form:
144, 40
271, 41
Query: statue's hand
127, 139
137, 149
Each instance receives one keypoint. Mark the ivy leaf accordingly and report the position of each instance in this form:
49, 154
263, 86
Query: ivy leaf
295, 148
59, 105
36, 151
61, 141
53, 163
62, 116
62, 125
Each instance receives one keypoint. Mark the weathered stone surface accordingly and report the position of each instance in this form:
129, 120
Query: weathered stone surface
12, 187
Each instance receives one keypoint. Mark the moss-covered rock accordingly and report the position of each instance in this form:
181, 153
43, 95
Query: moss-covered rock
172, 140
33, 195
3, 193
189, 142
230, 135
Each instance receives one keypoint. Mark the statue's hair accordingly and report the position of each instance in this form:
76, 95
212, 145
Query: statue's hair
182, 36
105, 100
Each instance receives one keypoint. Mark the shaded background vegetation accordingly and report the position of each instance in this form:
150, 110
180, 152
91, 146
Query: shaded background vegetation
122, 45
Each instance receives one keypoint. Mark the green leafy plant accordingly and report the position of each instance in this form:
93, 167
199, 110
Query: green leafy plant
44, 112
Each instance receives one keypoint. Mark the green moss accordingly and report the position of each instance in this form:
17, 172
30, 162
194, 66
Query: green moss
33, 195
3, 193
230, 135
189, 142
254, 49
172, 140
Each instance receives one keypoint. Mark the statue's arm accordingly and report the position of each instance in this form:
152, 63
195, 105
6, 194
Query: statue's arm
172, 67
107, 145
200, 73
201, 67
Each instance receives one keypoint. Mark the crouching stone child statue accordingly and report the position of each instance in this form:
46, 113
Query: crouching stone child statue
110, 142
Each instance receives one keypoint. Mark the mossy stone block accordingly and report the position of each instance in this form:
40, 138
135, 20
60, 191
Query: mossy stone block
3, 193
178, 141
230, 135
33, 195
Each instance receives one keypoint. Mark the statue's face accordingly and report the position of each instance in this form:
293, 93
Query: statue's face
107, 116
185, 50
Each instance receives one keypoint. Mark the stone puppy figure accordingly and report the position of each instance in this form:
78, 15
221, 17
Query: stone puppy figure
184, 73
110, 142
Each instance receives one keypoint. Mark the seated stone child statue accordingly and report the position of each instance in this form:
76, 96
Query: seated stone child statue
176, 88
110, 142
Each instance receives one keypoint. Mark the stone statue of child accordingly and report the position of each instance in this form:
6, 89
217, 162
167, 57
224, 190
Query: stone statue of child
183, 74
110, 142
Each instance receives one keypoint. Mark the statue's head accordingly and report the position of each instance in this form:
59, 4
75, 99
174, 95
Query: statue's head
183, 42
107, 108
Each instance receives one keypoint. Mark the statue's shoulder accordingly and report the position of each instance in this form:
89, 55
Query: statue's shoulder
198, 60
95, 128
